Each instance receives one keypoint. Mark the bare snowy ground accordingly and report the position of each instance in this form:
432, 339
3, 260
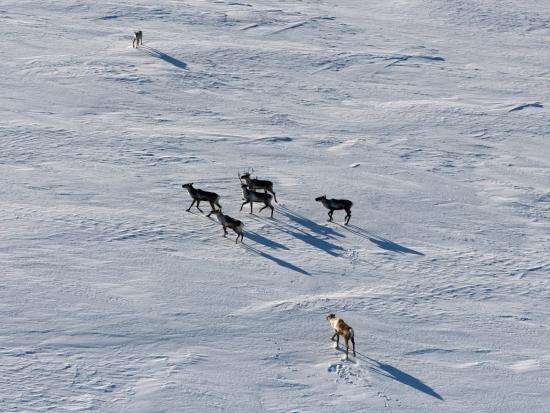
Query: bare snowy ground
432, 116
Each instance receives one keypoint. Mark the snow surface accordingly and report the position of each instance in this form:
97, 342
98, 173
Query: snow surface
431, 115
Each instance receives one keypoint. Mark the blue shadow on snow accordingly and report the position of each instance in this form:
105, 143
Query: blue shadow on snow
308, 223
260, 239
276, 260
402, 377
380, 241
163, 56
304, 236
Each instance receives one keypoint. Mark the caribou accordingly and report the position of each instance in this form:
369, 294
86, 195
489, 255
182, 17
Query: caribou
254, 184
335, 205
199, 195
341, 329
227, 222
138, 39
250, 197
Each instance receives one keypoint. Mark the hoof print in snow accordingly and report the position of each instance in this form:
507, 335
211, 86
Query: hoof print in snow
345, 373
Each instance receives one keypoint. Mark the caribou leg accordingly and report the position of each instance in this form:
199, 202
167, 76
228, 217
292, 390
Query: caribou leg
347, 346
348, 216
213, 209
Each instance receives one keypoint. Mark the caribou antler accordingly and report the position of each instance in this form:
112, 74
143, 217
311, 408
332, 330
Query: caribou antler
240, 180
253, 183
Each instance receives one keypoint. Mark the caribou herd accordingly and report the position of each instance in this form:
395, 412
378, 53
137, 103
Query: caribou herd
250, 187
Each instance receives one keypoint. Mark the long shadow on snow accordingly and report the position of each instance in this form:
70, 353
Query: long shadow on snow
276, 260
253, 236
304, 236
308, 223
383, 243
394, 373
163, 56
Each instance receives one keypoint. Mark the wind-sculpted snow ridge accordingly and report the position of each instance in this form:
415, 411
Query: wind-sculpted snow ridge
430, 116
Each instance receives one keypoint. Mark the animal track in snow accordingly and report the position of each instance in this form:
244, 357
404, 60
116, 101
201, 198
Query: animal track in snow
346, 373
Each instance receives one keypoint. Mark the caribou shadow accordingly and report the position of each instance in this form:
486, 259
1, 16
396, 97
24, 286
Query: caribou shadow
402, 377
396, 374
381, 242
316, 242
392, 246
253, 236
276, 260
308, 223
305, 237
163, 56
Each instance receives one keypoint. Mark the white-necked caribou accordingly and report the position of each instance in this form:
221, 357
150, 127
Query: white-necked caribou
335, 205
199, 195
